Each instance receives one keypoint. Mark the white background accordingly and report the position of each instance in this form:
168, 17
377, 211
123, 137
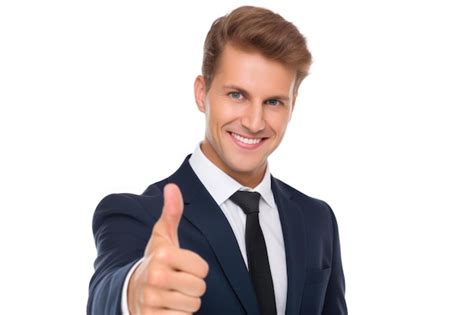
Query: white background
96, 97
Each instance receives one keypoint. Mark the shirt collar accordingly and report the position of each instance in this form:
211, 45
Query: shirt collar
220, 185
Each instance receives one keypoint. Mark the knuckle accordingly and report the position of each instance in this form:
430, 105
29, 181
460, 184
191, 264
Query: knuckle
163, 254
198, 288
201, 265
202, 269
147, 311
195, 304
158, 276
151, 297
205, 269
202, 288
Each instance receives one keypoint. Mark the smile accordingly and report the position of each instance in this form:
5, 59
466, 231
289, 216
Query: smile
246, 140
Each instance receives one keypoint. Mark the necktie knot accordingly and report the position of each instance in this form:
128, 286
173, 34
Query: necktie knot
247, 200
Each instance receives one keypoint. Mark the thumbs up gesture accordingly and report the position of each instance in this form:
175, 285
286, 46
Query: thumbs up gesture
169, 280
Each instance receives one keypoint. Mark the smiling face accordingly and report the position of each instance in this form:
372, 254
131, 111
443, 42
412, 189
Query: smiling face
247, 106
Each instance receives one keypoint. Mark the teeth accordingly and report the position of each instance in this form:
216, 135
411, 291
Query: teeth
246, 140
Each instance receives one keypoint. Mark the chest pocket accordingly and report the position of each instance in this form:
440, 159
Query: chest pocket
314, 292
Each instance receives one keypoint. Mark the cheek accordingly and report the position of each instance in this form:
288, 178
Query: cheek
221, 113
278, 121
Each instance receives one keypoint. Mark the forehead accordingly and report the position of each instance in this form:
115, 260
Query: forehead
252, 71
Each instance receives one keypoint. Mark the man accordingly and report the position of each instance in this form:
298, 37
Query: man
221, 235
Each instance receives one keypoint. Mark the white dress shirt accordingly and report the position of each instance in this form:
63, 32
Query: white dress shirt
221, 186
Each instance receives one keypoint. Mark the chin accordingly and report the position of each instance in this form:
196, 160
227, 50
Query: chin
249, 167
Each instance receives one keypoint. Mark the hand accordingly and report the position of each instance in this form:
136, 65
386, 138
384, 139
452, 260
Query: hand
169, 280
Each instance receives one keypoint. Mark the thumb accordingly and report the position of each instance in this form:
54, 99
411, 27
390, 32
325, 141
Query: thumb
167, 225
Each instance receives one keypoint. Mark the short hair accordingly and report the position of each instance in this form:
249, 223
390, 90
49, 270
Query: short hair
259, 29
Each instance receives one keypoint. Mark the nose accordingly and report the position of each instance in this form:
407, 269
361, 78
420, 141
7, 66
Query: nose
253, 119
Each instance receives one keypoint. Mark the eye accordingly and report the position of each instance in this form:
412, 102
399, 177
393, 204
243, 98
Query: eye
235, 95
273, 102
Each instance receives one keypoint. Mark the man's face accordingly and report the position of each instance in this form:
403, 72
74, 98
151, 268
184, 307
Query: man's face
247, 107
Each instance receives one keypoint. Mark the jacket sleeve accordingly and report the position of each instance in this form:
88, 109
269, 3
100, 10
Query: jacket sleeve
335, 303
121, 228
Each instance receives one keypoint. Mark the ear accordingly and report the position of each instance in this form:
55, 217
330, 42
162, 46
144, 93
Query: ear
200, 93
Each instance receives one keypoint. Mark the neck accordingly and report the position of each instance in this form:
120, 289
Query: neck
248, 180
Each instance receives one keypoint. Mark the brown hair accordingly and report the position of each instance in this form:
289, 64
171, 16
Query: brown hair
257, 29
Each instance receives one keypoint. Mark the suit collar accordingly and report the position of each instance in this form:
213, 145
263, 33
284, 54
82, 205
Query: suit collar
292, 224
204, 213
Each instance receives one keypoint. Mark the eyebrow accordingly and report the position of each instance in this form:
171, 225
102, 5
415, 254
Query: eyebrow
246, 93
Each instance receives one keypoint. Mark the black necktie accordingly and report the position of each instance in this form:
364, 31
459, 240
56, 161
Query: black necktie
257, 256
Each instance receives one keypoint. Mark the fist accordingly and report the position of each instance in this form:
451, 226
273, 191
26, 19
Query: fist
169, 280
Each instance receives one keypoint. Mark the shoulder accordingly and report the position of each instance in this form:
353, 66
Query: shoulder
317, 217
310, 206
301, 197
144, 207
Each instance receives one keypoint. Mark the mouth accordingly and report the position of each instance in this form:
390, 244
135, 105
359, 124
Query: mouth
246, 142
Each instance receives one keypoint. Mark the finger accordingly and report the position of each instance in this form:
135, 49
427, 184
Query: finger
172, 300
167, 225
168, 279
190, 262
179, 259
188, 284
160, 311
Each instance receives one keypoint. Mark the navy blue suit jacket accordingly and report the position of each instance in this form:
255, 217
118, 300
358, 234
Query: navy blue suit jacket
122, 225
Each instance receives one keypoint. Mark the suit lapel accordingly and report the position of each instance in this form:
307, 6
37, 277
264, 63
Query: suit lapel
203, 212
292, 222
